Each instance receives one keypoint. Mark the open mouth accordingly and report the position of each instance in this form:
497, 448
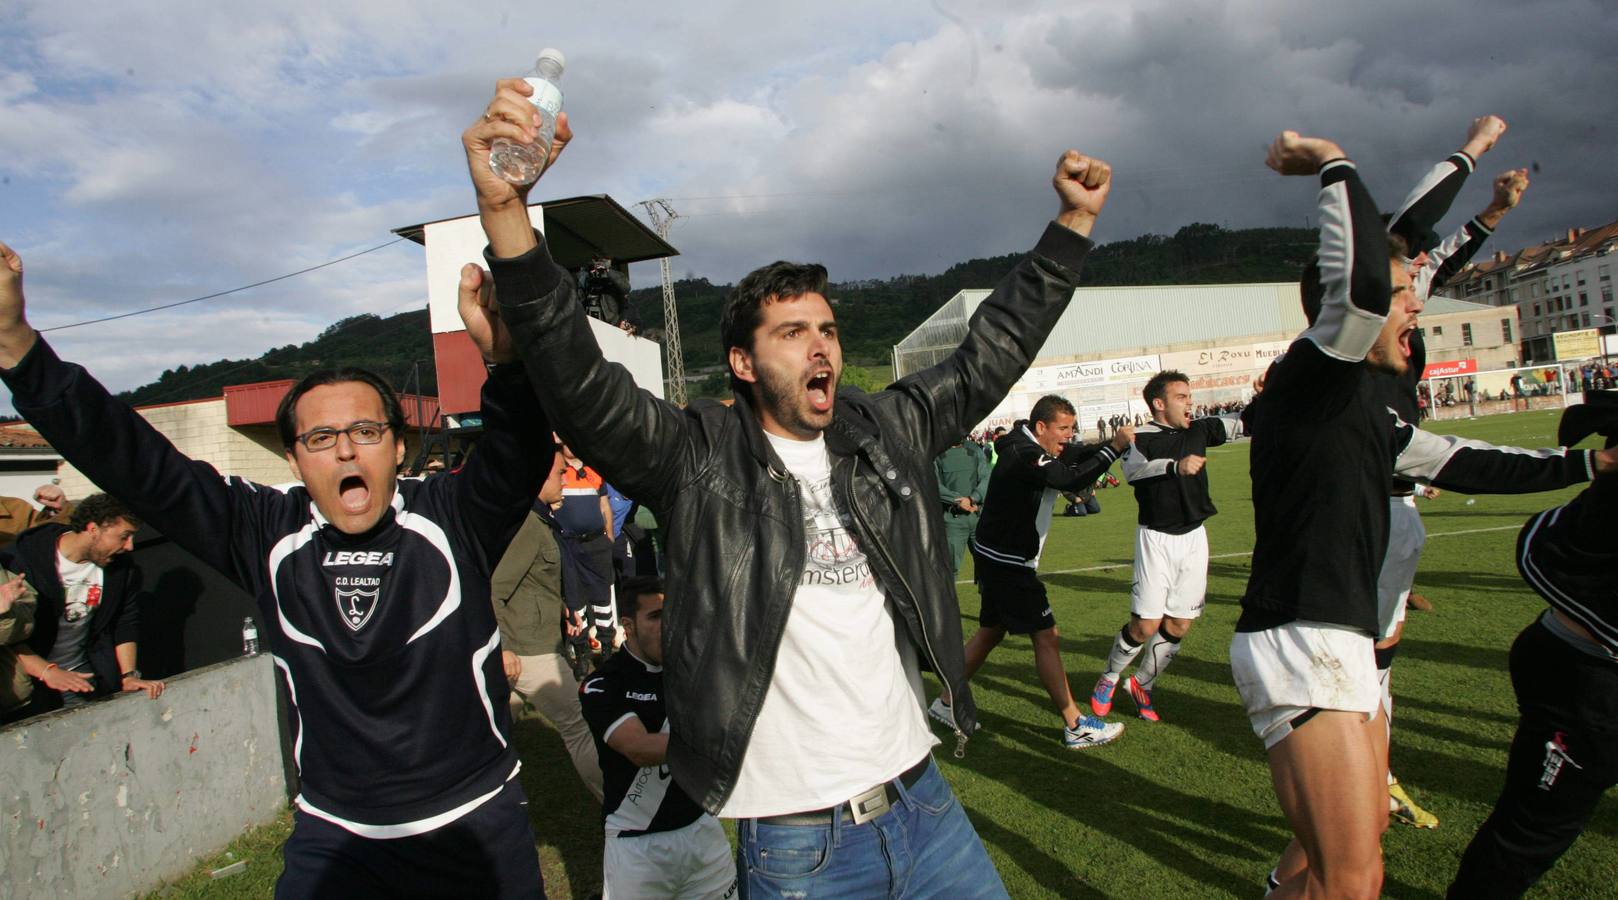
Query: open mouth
820, 392
1404, 340
353, 493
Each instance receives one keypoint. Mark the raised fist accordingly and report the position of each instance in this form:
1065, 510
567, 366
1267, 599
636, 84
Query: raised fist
1082, 183
1509, 187
1123, 437
1482, 135
1191, 465
1294, 154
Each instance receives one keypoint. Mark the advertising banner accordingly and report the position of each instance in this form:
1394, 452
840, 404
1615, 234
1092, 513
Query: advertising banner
1572, 346
1450, 367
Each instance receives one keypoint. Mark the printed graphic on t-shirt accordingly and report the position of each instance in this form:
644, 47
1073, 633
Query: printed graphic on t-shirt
834, 557
81, 599
81, 589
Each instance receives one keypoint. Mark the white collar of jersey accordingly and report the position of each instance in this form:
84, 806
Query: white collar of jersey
397, 503
1026, 430
649, 666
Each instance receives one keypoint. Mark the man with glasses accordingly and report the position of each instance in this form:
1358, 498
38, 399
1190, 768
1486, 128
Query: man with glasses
373, 592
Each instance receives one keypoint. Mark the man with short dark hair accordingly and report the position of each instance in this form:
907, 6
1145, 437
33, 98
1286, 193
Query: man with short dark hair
372, 594
660, 843
87, 622
1037, 462
806, 557
1166, 466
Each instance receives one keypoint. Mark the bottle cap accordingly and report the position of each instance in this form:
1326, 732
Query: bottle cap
554, 54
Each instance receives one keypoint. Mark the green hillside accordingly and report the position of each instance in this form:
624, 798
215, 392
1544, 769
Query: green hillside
874, 314
391, 347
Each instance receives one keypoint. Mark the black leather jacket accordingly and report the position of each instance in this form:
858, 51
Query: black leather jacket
731, 510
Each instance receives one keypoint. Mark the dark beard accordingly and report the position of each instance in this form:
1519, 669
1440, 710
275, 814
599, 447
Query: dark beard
1387, 362
781, 396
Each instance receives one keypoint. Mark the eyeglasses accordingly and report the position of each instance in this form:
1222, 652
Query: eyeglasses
318, 439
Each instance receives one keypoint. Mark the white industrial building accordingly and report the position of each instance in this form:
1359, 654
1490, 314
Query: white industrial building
1111, 340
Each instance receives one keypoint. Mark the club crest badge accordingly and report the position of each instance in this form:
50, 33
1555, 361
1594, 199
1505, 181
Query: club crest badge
356, 606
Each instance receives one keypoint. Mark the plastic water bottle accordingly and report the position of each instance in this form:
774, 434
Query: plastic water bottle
522, 163
249, 637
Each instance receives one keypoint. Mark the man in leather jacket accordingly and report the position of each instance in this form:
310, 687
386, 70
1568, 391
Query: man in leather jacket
808, 577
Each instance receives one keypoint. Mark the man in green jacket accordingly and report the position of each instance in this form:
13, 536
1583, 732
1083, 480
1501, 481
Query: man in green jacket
963, 476
526, 590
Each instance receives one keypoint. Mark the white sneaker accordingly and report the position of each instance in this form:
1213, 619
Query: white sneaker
1092, 732
940, 712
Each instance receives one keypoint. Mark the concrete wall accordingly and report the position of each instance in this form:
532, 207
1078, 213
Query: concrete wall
1444, 335
114, 798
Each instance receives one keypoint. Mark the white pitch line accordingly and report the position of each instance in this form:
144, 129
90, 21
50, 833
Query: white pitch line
1437, 534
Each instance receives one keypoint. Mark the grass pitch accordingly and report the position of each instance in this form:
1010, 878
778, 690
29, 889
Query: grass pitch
1183, 808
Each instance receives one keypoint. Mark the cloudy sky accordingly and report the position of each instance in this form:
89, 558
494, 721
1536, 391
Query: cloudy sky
160, 151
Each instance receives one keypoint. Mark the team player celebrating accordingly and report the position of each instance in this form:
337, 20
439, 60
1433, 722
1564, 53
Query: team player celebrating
659, 841
1037, 462
1432, 262
1166, 466
1325, 448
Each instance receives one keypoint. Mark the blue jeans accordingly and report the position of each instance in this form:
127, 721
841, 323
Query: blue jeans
923, 847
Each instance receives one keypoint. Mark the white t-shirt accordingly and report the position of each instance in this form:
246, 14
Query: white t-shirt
843, 712
81, 589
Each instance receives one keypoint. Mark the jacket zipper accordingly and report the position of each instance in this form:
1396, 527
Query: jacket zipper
854, 504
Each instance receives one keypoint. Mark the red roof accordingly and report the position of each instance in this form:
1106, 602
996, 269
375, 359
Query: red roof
13, 437
255, 404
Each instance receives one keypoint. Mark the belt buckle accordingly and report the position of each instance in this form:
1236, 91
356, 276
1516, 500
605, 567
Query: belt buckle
870, 804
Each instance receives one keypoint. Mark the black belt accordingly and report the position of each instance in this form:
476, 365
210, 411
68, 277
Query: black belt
861, 808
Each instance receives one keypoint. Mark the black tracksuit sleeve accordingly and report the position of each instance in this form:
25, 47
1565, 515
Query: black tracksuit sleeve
1473, 467
496, 488
1417, 223
212, 517
1354, 283
1449, 257
1429, 201
1078, 467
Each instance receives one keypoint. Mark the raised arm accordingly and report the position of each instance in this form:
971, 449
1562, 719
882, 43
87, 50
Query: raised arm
1440, 263
636, 441
1428, 202
496, 487
1349, 288
119, 451
939, 404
